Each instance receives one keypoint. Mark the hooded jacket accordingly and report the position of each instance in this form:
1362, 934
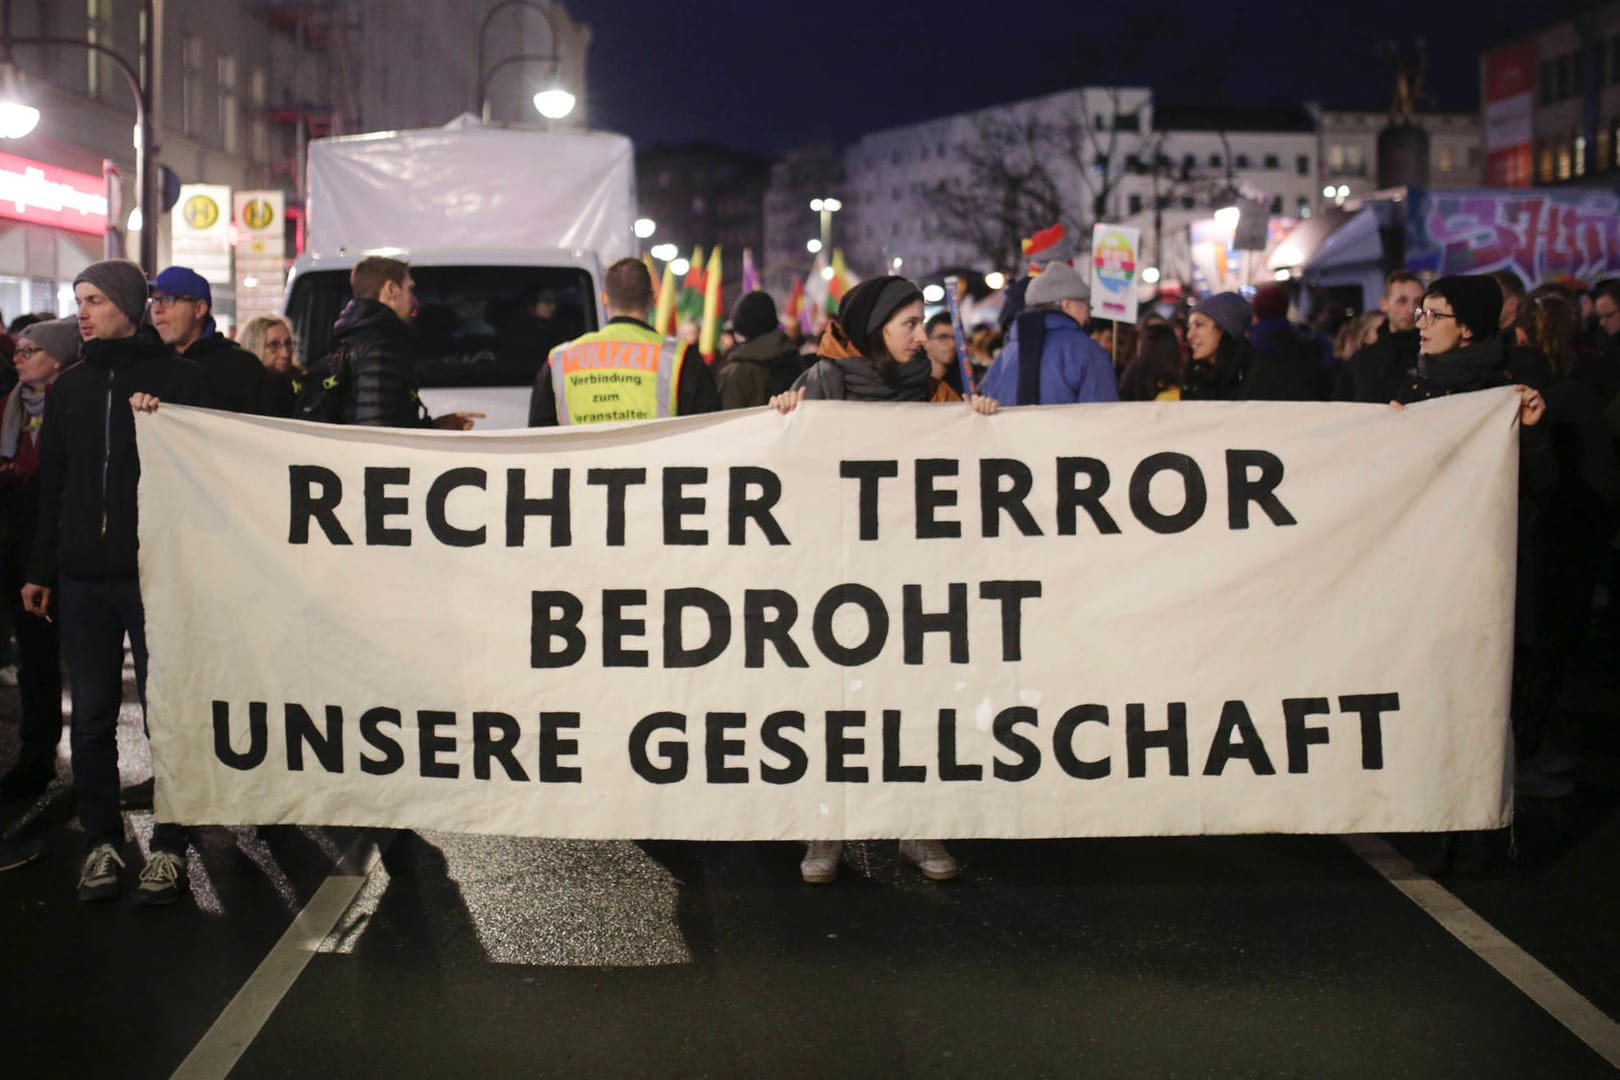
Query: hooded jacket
758, 368
236, 378
383, 390
88, 468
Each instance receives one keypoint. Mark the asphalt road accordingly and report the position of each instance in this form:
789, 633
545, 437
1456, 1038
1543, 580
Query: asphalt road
306, 951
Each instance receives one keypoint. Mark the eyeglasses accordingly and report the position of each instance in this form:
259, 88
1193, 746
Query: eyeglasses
162, 300
26, 352
1424, 314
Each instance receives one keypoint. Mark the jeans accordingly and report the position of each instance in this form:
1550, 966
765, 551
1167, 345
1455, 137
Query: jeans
95, 617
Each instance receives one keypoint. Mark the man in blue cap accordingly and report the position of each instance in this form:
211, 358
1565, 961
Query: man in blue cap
182, 312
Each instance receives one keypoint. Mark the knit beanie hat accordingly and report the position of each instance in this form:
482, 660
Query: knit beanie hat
58, 337
865, 308
122, 282
1271, 302
1476, 300
1230, 312
1060, 281
755, 315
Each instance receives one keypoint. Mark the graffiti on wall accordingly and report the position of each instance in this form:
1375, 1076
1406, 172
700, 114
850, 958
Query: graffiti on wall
1536, 234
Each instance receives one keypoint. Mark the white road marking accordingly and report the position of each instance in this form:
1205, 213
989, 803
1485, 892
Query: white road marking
1562, 1002
217, 1053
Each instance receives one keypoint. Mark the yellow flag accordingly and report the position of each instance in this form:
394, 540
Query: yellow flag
664, 320
709, 338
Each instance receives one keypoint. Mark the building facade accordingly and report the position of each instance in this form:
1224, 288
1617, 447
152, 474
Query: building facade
799, 176
705, 194
237, 92
1348, 152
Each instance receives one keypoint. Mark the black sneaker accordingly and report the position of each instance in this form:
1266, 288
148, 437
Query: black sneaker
99, 879
162, 878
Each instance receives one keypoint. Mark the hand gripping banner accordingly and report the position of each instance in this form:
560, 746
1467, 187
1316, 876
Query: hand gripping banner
854, 621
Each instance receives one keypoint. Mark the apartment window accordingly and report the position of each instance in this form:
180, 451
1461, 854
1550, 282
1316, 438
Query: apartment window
1303, 208
1545, 162
1577, 73
1214, 161
230, 112
191, 84
1240, 161
1545, 72
1135, 204
1187, 202
1601, 157
1355, 159
1102, 123
145, 30
1561, 80
1447, 159
1336, 158
1189, 162
1580, 155
1302, 164
1273, 161
1276, 206
1133, 163
1614, 60
1565, 166
1127, 122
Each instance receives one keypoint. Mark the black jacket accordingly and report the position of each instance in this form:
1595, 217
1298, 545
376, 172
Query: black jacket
88, 468
1378, 372
236, 378
382, 389
1245, 374
695, 393
758, 369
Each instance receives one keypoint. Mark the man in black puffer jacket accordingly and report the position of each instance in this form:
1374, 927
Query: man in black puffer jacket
183, 315
372, 337
85, 550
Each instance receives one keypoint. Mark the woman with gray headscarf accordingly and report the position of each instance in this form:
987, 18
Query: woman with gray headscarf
43, 350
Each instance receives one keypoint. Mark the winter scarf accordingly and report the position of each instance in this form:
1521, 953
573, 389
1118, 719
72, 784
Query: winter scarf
14, 424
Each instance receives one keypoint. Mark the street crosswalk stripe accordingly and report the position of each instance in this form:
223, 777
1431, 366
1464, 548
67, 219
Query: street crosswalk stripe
239, 1024
1561, 1001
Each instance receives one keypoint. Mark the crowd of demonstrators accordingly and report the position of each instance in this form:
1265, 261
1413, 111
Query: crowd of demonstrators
1224, 366
182, 306
1374, 374
1154, 374
874, 351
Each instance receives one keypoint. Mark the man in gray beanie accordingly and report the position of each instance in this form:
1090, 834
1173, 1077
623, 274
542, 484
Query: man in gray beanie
85, 553
120, 282
1064, 365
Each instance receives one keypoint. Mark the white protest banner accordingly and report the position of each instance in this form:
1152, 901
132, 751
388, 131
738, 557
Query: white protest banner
1114, 258
858, 621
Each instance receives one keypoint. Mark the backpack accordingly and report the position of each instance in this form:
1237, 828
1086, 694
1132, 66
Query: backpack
322, 398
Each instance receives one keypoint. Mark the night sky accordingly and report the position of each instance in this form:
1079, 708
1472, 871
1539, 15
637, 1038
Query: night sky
765, 75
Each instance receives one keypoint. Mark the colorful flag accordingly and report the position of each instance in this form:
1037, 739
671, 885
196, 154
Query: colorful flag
750, 276
652, 272
795, 302
664, 320
815, 287
840, 282
689, 301
709, 338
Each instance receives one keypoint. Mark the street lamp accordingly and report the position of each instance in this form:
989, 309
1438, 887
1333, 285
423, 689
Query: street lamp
664, 252
13, 114
645, 227
813, 246
554, 102
826, 208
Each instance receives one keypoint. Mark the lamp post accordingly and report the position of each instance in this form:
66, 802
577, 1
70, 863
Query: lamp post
146, 187
553, 103
826, 208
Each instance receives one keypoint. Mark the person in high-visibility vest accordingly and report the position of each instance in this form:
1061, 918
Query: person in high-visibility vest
624, 371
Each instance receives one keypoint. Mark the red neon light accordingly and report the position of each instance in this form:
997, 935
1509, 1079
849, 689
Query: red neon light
43, 194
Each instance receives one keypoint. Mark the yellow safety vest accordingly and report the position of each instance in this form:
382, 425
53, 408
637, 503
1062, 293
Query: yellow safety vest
624, 371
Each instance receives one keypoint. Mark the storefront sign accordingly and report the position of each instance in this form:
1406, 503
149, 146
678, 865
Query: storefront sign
43, 194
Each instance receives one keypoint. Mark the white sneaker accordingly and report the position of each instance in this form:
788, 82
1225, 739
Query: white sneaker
820, 863
99, 879
161, 879
931, 858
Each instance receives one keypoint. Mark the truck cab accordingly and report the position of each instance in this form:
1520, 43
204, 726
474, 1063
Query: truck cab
485, 320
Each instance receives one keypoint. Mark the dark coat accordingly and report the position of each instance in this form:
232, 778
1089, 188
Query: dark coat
236, 378
88, 468
1244, 374
1376, 373
382, 388
757, 369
